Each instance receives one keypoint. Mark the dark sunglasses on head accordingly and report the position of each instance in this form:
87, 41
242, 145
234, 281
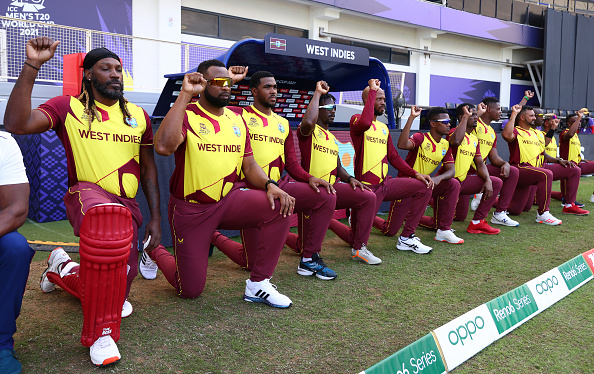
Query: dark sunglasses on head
445, 121
220, 82
329, 107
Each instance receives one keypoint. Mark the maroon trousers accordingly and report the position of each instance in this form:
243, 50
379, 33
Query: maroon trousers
505, 195
473, 184
393, 189
586, 167
362, 205
542, 178
192, 227
314, 209
83, 196
569, 177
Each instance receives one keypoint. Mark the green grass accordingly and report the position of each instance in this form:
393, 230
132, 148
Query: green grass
340, 326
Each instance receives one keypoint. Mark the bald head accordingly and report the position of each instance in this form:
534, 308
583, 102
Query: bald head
365, 93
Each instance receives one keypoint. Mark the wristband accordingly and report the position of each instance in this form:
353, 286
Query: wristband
349, 178
527, 98
28, 64
550, 133
559, 160
268, 182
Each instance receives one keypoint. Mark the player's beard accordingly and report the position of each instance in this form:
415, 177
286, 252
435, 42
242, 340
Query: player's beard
216, 101
267, 104
104, 91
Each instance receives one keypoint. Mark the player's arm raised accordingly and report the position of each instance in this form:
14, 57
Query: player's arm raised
18, 117
404, 142
310, 117
508, 131
170, 135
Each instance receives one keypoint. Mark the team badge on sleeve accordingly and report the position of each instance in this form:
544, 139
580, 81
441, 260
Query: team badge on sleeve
236, 131
443, 152
132, 122
281, 128
384, 132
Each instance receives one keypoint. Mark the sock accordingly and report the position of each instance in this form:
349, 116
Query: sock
568, 205
475, 222
497, 213
306, 259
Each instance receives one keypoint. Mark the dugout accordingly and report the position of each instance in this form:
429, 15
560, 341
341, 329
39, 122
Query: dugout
296, 72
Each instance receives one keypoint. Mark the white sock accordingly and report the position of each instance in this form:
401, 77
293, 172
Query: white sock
306, 259
497, 213
475, 222
568, 205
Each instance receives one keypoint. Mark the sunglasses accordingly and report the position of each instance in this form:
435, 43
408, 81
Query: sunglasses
220, 82
445, 121
329, 107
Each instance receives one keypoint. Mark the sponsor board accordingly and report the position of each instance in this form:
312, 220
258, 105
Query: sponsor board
548, 288
421, 356
466, 335
511, 309
575, 272
589, 257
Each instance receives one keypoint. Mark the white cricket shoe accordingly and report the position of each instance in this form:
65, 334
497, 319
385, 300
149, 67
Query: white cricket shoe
592, 198
126, 309
476, 201
548, 219
448, 236
57, 257
364, 255
501, 218
105, 352
265, 292
412, 244
147, 267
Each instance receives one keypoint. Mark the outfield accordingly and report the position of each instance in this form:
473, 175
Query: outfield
340, 326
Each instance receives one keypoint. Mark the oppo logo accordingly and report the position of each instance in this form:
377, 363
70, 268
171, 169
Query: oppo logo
546, 285
466, 330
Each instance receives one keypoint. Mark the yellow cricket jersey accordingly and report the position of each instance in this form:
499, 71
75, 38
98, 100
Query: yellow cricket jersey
486, 137
551, 148
106, 154
209, 161
428, 152
531, 146
375, 145
464, 156
572, 149
319, 153
268, 134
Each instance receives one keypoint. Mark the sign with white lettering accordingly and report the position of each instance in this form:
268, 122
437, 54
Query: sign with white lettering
315, 49
548, 288
512, 309
421, 356
575, 272
466, 335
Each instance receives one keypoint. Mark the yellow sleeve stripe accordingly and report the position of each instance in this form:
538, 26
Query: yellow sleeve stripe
49, 118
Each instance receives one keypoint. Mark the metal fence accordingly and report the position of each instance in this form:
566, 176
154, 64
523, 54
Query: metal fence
144, 60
